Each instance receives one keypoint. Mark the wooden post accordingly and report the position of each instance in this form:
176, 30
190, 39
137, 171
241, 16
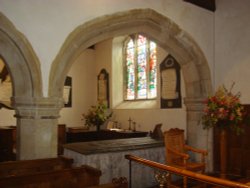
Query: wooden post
223, 153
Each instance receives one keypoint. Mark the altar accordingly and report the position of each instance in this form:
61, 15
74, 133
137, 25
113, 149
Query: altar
108, 156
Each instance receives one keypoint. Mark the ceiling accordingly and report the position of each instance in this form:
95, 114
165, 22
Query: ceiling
206, 4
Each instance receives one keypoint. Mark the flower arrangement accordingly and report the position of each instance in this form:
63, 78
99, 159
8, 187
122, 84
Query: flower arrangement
97, 115
224, 109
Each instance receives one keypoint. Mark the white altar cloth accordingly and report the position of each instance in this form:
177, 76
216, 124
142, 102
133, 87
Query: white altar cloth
114, 164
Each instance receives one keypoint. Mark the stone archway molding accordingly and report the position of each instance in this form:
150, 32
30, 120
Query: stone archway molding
168, 35
21, 60
165, 32
35, 114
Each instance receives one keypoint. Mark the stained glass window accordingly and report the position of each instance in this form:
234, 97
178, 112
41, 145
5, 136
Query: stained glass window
140, 68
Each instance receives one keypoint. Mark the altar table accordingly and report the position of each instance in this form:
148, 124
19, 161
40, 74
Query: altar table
108, 156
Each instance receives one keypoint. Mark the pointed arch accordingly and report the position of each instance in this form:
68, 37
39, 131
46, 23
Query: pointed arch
166, 34
154, 25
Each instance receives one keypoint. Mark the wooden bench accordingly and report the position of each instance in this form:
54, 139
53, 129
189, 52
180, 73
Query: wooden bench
52, 173
75, 177
24, 167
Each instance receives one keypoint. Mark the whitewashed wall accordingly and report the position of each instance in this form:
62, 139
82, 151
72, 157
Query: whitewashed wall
83, 89
84, 77
223, 37
232, 46
46, 23
146, 114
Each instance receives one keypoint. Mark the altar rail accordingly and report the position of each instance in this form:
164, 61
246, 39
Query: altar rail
192, 175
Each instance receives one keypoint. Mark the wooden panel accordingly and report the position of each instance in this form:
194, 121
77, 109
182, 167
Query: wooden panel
75, 177
25, 167
207, 4
101, 135
77, 129
7, 143
61, 138
238, 151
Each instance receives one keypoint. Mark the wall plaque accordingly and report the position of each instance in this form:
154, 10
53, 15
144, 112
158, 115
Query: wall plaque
103, 87
67, 92
170, 83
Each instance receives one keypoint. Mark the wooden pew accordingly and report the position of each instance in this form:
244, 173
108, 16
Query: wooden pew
52, 173
75, 177
24, 167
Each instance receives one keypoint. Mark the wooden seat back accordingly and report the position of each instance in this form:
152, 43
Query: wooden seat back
177, 153
23, 167
174, 139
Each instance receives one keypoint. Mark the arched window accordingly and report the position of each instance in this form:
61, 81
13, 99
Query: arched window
140, 68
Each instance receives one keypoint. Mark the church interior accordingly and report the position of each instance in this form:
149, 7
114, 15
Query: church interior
113, 93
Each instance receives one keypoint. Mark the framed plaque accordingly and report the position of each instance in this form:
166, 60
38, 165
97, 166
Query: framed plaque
103, 87
170, 83
67, 92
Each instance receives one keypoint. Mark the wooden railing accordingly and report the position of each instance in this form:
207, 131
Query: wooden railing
192, 175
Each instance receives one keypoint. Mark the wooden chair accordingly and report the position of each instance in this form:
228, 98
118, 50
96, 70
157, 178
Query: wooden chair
157, 132
177, 156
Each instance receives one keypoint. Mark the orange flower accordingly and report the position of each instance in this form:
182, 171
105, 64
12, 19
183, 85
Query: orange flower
224, 107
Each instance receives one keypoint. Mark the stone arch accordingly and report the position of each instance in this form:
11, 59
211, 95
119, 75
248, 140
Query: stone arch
21, 61
160, 29
27, 100
156, 26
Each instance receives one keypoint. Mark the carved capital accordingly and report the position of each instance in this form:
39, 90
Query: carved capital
37, 108
194, 104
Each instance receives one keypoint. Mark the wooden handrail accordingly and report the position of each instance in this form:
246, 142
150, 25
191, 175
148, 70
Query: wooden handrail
187, 173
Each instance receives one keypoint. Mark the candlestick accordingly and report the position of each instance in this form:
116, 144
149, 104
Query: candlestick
129, 120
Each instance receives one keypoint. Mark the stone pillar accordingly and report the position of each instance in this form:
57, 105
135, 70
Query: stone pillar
196, 135
37, 121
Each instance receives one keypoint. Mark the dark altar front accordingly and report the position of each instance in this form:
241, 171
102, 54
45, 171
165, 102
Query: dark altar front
77, 135
108, 156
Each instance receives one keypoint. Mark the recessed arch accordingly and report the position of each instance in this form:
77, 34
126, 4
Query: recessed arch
154, 25
166, 34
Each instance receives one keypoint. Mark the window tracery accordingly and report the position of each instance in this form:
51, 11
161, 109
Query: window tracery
140, 68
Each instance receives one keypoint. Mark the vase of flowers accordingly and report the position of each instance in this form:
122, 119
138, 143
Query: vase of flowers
225, 111
97, 115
